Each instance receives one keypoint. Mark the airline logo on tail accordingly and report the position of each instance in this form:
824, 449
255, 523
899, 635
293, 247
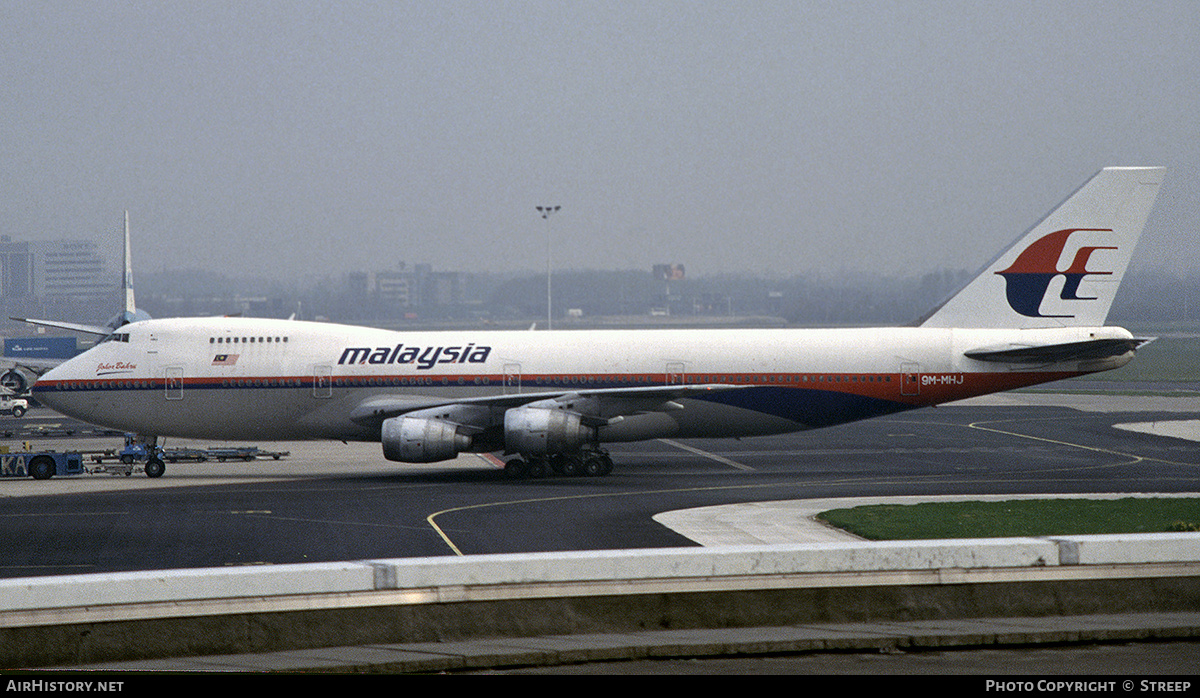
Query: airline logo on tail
1028, 279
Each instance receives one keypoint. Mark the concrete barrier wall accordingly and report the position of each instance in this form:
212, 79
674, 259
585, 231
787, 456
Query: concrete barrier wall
80, 619
1129, 549
123, 588
95, 591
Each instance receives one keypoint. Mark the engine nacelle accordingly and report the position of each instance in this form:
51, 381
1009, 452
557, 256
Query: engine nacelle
411, 439
536, 431
14, 381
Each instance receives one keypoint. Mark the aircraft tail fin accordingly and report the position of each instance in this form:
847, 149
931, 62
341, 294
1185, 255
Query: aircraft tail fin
127, 277
1063, 272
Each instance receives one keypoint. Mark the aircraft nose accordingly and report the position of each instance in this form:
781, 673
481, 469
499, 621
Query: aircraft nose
50, 388
74, 389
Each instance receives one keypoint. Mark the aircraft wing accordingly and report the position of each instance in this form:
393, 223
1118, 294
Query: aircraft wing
71, 326
596, 406
1089, 350
38, 366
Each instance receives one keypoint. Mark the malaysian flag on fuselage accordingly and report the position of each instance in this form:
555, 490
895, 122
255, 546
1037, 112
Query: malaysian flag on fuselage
225, 359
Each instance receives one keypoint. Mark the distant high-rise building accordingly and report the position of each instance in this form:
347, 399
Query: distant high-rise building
418, 286
52, 269
394, 288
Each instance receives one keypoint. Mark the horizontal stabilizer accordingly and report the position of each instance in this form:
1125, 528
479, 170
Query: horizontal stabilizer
1090, 350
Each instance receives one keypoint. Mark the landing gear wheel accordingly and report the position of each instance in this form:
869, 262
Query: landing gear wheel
597, 465
538, 468
516, 469
571, 466
155, 468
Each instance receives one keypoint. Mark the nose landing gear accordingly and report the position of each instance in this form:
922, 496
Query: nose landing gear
155, 467
139, 446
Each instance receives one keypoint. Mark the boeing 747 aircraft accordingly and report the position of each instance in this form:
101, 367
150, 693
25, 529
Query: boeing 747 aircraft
553, 399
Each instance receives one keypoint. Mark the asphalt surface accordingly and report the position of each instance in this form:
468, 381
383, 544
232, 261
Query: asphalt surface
326, 502
330, 501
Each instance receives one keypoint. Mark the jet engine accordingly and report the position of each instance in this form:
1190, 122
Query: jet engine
413, 439
538, 431
14, 381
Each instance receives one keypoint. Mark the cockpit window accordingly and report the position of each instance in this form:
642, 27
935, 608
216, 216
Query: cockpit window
116, 337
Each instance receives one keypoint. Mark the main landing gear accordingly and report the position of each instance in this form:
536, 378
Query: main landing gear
586, 463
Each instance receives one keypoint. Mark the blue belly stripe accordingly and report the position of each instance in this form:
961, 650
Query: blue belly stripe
812, 408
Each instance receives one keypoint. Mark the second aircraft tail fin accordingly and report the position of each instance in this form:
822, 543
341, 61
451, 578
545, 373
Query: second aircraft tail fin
127, 275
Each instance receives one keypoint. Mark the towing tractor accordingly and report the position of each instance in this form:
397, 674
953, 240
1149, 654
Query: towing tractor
40, 465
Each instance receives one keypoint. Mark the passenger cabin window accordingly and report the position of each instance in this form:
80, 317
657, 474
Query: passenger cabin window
226, 340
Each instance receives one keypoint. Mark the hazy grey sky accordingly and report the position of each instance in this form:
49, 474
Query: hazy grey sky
769, 137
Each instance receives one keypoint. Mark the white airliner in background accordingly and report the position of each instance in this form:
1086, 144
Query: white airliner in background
553, 398
14, 377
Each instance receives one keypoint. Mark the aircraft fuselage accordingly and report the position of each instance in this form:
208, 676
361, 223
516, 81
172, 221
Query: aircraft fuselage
238, 378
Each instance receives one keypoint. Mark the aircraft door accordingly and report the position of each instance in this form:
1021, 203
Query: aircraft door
676, 374
512, 378
322, 381
910, 379
174, 382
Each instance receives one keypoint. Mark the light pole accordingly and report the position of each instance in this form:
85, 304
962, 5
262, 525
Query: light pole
546, 211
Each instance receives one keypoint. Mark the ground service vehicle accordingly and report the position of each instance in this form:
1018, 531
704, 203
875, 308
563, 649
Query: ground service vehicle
40, 465
14, 405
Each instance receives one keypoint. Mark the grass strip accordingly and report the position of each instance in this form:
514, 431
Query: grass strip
1018, 517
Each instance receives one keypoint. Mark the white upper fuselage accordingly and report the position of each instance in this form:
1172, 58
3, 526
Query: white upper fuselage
244, 378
